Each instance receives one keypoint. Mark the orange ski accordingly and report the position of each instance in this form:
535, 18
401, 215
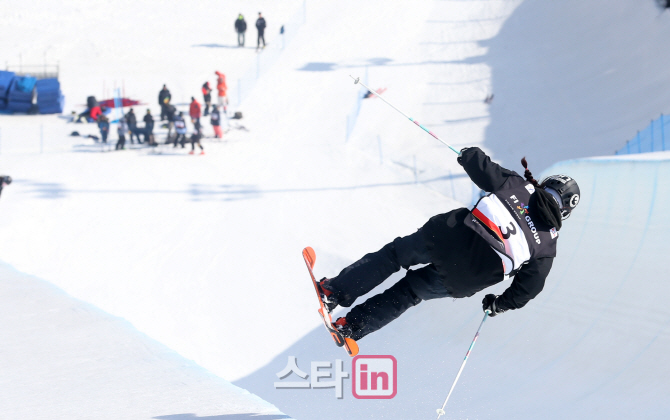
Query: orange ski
349, 345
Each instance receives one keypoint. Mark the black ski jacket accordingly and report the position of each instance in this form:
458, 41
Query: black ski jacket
215, 118
149, 121
164, 93
260, 24
131, 119
240, 25
466, 260
171, 112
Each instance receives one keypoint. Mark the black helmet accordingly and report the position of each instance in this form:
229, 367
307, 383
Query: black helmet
567, 189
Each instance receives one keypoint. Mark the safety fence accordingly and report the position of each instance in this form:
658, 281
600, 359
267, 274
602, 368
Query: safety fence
43, 71
352, 116
47, 137
651, 139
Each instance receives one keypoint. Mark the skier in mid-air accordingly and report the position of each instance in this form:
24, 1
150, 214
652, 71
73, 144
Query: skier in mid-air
511, 232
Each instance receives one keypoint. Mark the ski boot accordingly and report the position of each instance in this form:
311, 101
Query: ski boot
327, 296
343, 327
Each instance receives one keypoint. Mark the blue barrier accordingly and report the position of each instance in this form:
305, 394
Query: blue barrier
50, 99
651, 139
17, 94
6, 78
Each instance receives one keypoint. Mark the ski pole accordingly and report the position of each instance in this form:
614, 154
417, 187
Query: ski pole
357, 80
440, 411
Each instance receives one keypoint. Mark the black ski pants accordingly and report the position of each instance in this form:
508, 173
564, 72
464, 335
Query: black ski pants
120, 145
180, 139
370, 271
133, 131
195, 141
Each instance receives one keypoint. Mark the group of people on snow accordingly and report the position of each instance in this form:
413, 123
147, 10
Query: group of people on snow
176, 123
128, 129
128, 126
241, 28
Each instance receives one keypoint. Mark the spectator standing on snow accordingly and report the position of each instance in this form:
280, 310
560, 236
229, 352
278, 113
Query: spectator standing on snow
4, 181
222, 89
194, 110
131, 119
180, 128
103, 125
122, 130
164, 99
195, 138
149, 128
241, 28
207, 96
171, 115
215, 119
260, 25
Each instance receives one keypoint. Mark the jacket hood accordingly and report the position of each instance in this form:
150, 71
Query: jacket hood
544, 206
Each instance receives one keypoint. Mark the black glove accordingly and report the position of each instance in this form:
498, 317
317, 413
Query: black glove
459, 159
489, 305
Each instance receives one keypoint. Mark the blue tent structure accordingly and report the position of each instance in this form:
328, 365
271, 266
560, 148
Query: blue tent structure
50, 99
17, 94
20, 97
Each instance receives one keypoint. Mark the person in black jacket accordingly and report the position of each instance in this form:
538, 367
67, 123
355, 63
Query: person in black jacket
133, 131
260, 25
240, 28
171, 113
207, 97
511, 232
149, 128
164, 98
196, 137
4, 181
103, 125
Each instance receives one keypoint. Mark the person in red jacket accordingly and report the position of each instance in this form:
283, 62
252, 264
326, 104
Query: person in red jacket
194, 111
221, 87
96, 111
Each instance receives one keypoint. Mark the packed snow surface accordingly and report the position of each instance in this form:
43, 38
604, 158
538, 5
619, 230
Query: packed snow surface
202, 253
66, 359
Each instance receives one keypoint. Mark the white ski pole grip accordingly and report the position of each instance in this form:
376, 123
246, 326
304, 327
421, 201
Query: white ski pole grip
440, 411
357, 80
